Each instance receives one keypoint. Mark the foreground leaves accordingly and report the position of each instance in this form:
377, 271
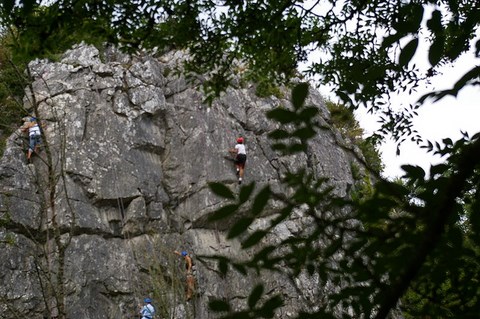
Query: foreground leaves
415, 240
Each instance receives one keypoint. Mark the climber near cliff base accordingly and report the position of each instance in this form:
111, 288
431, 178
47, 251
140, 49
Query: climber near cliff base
147, 311
240, 158
34, 136
190, 276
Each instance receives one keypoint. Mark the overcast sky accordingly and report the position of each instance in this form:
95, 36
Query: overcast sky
436, 121
445, 118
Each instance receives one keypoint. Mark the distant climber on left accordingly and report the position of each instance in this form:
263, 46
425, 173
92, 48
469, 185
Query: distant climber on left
34, 136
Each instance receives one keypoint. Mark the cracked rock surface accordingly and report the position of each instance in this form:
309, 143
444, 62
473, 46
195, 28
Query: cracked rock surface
122, 181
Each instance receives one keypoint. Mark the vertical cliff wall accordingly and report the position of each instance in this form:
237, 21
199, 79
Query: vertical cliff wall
90, 226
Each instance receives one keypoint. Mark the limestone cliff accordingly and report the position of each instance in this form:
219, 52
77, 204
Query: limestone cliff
89, 228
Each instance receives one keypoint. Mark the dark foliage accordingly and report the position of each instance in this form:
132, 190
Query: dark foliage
418, 239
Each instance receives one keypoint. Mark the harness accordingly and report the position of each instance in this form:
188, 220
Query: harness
34, 130
150, 313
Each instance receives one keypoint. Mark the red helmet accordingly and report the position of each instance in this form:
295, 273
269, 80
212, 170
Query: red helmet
240, 140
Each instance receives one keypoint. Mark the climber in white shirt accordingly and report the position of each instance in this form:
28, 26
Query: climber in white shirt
240, 158
34, 136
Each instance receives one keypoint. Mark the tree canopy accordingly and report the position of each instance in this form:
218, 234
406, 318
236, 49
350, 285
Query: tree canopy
415, 241
368, 46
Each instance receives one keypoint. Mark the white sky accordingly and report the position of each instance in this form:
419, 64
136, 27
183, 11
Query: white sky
435, 121
445, 118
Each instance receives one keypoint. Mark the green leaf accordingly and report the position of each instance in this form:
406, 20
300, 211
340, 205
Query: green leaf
223, 266
282, 115
308, 113
408, 52
299, 94
240, 268
284, 213
344, 97
221, 190
218, 305
305, 133
279, 134
438, 169
255, 296
435, 22
311, 269
279, 147
435, 53
375, 72
447, 141
253, 239
239, 227
411, 16
261, 201
388, 41
297, 148
8, 5
474, 73
223, 212
332, 248
416, 16
245, 192
384, 203
269, 307
28, 6
414, 171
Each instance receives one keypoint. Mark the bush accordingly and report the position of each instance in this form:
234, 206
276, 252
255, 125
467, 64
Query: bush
344, 120
12, 85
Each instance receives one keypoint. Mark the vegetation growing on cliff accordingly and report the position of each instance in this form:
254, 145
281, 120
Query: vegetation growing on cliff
12, 85
344, 119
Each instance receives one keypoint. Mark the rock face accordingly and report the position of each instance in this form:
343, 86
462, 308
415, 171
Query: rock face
121, 181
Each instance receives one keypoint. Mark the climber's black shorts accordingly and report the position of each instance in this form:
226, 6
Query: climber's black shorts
241, 159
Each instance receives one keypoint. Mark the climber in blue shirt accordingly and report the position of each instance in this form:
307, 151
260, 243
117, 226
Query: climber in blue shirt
148, 311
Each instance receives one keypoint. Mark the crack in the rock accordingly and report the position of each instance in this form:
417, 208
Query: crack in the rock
270, 161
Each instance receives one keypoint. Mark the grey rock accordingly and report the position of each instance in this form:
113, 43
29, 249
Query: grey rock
132, 148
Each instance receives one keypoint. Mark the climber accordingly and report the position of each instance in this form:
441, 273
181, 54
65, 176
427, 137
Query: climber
190, 276
34, 136
147, 311
240, 158
188, 260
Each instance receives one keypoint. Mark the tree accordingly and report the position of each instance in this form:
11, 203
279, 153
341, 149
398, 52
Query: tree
394, 235
397, 239
12, 84
368, 45
344, 120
